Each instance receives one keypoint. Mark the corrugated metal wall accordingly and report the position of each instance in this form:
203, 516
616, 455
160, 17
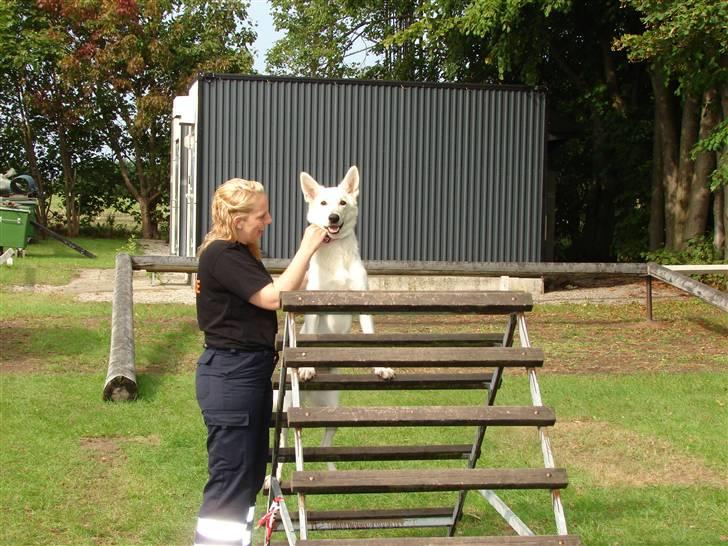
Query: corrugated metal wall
448, 173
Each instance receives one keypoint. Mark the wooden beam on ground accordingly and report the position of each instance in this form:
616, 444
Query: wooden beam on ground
691, 286
121, 377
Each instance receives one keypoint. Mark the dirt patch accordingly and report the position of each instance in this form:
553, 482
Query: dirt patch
108, 449
605, 455
613, 456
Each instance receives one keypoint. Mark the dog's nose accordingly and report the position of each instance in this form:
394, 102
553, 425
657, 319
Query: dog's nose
333, 218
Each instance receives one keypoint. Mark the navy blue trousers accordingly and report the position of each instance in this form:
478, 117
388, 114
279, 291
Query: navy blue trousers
235, 395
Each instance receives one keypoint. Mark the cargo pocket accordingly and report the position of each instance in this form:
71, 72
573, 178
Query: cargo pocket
227, 418
204, 376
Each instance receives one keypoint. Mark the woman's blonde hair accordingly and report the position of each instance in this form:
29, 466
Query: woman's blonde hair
233, 199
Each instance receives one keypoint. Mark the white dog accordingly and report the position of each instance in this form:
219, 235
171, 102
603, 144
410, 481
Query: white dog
336, 265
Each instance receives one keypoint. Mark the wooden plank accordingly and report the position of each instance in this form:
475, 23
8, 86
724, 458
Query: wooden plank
345, 520
691, 286
412, 357
421, 416
333, 515
395, 340
378, 453
464, 269
401, 381
391, 481
699, 269
553, 540
359, 301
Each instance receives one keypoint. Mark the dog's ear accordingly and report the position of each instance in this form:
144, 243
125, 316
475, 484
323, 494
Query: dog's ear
309, 187
350, 183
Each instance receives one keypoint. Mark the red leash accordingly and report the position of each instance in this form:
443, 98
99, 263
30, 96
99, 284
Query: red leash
269, 519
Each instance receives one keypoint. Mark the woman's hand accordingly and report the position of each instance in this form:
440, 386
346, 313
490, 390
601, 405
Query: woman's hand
269, 296
313, 237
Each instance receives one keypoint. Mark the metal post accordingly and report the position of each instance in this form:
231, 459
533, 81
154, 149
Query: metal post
648, 296
480, 431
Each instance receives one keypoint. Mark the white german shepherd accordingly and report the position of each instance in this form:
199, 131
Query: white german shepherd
336, 265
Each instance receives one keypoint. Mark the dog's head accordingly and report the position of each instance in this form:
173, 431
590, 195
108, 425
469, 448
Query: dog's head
334, 209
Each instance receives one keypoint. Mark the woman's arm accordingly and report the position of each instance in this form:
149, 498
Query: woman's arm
269, 297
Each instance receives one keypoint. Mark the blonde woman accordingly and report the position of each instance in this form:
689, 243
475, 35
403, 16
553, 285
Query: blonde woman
236, 309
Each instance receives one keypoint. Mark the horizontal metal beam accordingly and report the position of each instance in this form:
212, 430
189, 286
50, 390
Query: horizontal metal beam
178, 264
691, 286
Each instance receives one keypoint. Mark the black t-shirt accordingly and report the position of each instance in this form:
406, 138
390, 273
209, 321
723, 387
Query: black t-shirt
227, 276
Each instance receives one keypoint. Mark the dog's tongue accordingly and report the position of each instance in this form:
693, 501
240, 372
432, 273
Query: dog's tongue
333, 229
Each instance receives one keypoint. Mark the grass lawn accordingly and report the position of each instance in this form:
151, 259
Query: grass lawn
642, 421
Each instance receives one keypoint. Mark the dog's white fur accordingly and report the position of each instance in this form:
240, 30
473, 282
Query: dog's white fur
336, 265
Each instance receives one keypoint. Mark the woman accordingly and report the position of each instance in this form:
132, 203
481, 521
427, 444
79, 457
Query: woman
236, 303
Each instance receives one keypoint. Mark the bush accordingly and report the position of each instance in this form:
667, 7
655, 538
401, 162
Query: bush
697, 251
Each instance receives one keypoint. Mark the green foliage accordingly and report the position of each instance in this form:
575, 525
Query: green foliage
89, 76
697, 251
685, 38
131, 246
717, 142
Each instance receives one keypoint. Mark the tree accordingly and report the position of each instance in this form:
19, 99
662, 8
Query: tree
685, 44
600, 169
130, 59
27, 142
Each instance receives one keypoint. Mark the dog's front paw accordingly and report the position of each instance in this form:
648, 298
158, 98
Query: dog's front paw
304, 374
384, 373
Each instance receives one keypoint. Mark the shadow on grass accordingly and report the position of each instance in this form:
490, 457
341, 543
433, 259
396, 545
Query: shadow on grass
78, 349
173, 352
711, 325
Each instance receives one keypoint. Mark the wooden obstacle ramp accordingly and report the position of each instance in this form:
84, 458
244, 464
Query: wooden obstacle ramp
465, 356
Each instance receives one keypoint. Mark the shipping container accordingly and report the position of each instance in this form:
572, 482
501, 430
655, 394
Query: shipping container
448, 172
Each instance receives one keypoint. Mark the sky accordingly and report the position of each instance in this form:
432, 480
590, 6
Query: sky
260, 14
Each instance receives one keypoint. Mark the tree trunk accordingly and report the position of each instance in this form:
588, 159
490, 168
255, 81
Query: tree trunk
32, 159
720, 205
149, 223
699, 198
668, 150
688, 138
720, 216
656, 229
69, 184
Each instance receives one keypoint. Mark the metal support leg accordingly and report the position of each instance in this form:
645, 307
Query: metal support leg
548, 457
648, 296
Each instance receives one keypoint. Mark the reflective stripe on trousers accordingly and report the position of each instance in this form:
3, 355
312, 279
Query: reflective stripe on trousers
220, 532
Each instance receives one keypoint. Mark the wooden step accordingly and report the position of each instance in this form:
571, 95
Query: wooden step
374, 519
377, 453
421, 416
412, 357
563, 540
401, 381
355, 302
390, 481
395, 340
